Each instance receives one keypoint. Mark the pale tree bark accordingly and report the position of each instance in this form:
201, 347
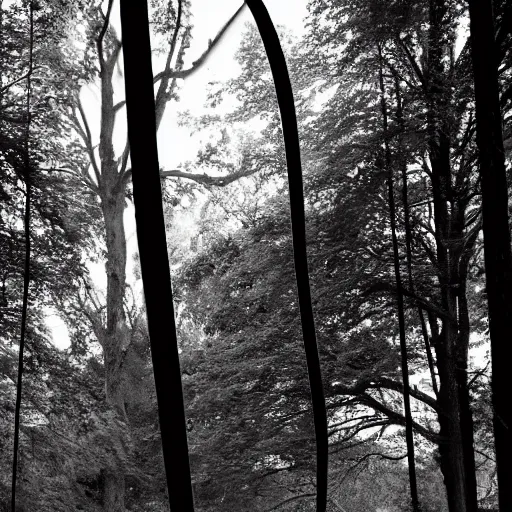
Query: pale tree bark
108, 176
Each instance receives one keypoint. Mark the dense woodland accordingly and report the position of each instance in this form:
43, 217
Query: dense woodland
385, 101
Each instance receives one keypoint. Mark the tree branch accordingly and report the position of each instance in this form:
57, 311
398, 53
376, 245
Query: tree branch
358, 389
101, 36
414, 392
398, 419
118, 106
348, 420
294, 498
412, 61
165, 90
20, 79
82, 175
421, 203
124, 163
204, 179
87, 138
202, 59
382, 286
367, 456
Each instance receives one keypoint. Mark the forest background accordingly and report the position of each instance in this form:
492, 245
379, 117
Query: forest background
89, 432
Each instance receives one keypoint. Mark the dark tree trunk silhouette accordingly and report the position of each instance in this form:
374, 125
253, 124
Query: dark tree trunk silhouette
154, 262
27, 176
286, 103
409, 436
497, 251
408, 235
457, 455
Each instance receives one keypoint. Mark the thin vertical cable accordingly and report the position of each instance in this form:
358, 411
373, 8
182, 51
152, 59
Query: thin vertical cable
26, 277
291, 140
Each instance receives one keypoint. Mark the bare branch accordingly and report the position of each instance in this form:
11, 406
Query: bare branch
165, 91
396, 73
202, 59
412, 61
367, 456
119, 106
365, 426
421, 203
124, 160
174, 37
87, 137
414, 392
82, 175
339, 426
487, 457
477, 375
382, 286
294, 498
204, 179
358, 389
101, 36
399, 419
20, 79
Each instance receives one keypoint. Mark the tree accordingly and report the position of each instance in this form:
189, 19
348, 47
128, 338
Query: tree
108, 175
400, 296
429, 87
346, 136
495, 226
56, 225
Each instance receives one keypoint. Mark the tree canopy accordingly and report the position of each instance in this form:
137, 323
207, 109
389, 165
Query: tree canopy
90, 437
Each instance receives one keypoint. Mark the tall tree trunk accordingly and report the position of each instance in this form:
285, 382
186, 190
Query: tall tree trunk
115, 335
460, 253
409, 437
154, 261
115, 339
457, 457
111, 177
466, 415
408, 233
497, 250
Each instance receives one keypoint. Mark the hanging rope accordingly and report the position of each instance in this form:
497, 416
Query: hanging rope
291, 140
26, 278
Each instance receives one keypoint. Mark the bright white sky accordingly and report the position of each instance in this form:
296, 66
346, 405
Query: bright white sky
175, 143
208, 19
